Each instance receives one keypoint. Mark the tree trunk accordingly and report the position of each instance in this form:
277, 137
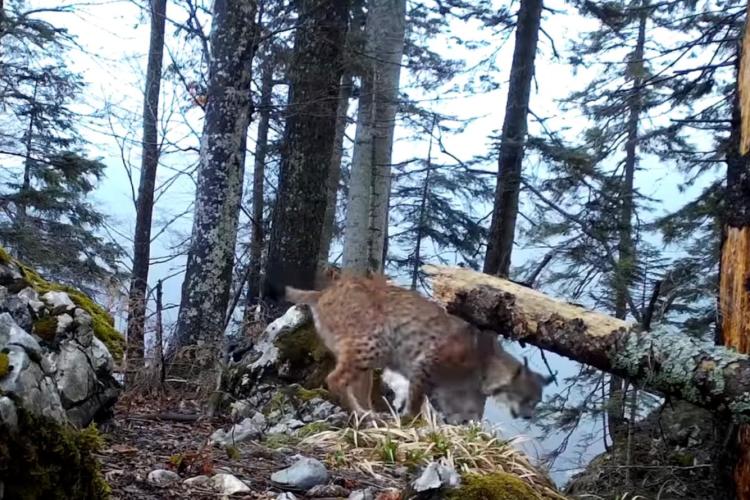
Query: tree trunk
369, 192
422, 212
625, 247
259, 174
356, 251
205, 291
663, 361
513, 139
334, 174
315, 75
145, 203
734, 297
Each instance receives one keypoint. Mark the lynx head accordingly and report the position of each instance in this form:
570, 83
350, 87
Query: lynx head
521, 391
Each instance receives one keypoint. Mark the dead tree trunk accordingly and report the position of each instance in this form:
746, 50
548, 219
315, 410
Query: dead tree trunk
669, 363
734, 296
208, 276
145, 203
513, 140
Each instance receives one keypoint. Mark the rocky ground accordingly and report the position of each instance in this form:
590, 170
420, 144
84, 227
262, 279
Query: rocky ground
150, 454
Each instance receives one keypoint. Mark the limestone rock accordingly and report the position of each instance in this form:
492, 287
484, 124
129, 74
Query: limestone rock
162, 477
227, 484
303, 474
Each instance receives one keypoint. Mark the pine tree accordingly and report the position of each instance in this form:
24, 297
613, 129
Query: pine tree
48, 219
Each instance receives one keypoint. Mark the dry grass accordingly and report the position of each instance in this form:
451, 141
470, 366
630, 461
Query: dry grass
375, 445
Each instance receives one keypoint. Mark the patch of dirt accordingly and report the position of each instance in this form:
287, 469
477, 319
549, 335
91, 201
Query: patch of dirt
146, 435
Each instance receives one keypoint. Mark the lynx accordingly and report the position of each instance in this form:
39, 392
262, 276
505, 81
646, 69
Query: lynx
369, 324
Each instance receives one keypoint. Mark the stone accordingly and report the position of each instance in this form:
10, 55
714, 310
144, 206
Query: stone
59, 300
64, 321
75, 377
303, 474
435, 476
247, 429
294, 317
197, 481
365, 494
327, 491
240, 409
162, 477
18, 336
227, 484
19, 310
8, 414
31, 297
101, 359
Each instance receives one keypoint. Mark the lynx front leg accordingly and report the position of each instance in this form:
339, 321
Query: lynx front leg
360, 389
342, 382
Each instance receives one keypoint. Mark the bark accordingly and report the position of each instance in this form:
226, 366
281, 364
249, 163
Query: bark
334, 174
257, 238
315, 76
625, 246
662, 361
356, 251
734, 296
369, 192
145, 203
205, 291
513, 140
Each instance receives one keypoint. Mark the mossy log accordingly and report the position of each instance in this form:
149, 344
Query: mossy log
664, 361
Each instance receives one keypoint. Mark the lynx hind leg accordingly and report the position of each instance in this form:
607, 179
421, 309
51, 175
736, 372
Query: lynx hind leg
419, 386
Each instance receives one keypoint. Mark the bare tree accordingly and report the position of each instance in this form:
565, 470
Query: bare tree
367, 208
205, 291
513, 139
146, 187
315, 75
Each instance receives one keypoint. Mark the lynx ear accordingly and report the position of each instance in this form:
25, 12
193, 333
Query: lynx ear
549, 379
526, 362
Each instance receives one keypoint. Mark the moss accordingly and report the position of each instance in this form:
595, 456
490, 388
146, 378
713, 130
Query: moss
313, 428
308, 359
309, 394
276, 403
4, 364
102, 321
279, 440
46, 328
5, 257
44, 459
495, 486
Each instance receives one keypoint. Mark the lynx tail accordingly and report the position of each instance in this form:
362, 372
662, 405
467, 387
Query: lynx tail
308, 297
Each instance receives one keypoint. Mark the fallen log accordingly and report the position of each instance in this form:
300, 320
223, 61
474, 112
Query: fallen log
662, 360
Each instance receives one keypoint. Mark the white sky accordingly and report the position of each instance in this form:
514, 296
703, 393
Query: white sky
115, 40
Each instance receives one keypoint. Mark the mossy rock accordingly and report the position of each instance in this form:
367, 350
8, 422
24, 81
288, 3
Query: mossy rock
101, 321
495, 486
44, 459
4, 364
309, 360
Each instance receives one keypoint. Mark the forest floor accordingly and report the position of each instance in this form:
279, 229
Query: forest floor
147, 435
